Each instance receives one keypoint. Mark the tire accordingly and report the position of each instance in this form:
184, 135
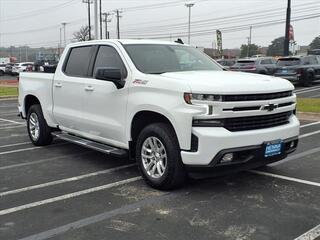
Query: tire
308, 79
173, 174
1, 73
38, 129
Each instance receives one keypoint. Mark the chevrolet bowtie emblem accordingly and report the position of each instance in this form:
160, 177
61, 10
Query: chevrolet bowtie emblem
270, 107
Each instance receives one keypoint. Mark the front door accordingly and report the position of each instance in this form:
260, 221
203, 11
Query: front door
104, 108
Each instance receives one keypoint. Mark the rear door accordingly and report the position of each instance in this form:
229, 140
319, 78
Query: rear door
69, 88
104, 107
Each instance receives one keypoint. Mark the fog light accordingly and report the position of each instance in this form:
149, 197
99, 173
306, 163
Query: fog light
227, 158
292, 144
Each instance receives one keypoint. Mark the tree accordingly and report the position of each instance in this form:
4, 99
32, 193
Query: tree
315, 44
253, 50
276, 47
82, 34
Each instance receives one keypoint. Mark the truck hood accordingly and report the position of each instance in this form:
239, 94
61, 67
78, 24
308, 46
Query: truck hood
225, 82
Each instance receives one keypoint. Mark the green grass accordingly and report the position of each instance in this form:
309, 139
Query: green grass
309, 105
8, 91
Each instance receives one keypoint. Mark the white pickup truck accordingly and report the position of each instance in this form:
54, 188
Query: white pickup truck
169, 106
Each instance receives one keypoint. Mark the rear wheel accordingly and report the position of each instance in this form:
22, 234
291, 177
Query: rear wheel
158, 157
39, 131
308, 79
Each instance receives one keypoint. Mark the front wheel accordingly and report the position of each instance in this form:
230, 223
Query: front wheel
39, 131
158, 157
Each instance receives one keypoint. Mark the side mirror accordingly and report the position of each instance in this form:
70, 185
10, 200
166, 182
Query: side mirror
110, 74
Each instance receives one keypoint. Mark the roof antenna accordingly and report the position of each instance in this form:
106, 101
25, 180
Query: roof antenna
179, 40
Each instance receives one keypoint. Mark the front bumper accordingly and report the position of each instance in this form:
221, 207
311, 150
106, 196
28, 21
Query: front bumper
214, 140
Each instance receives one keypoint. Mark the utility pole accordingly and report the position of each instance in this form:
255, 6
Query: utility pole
118, 22
60, 41
88, 2
64, 34
106, 20
286, 39
249, 41
96, 29
26, 53
189, 5
100, 18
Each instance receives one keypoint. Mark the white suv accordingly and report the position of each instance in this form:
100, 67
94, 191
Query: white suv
20, 67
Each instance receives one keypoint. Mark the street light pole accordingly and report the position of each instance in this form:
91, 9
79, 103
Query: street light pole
286, 39
189, 5
64, 33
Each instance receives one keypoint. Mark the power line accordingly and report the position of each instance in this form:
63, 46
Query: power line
38, 11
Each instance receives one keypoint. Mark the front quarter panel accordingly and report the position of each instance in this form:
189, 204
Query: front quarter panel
163, 96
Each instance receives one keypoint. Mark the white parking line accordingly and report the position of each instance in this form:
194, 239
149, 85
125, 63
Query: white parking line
21, 126
309, 124
309, 134
31, 148
68, 196
14, 135
11, 121
19, 150
15, 144
311, 234
306, 91
72, 179
7, 124
43, 160
9, 113
285, 178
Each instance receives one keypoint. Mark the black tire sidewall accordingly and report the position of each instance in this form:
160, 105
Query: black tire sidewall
45, 137
164, 133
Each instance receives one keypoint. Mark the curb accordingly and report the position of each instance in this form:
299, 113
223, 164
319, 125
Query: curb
3, 98
309, 116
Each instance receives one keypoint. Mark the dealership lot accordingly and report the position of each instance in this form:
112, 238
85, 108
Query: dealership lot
64, 191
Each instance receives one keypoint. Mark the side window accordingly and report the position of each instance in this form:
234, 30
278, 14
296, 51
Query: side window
108, 57
266, 61
313, 60
78, 61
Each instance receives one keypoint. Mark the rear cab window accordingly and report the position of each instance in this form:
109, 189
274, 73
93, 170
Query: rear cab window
78, 61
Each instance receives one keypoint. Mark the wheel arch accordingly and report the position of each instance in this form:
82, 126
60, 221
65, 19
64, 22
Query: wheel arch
30, 100
143, 118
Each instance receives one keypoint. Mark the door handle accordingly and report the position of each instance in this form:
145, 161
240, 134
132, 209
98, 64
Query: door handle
59, 85
89, 88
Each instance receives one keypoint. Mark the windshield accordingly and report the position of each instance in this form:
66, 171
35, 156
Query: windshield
288, 62
157, 58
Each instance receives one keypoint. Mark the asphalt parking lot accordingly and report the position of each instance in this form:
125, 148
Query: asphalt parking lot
64, 191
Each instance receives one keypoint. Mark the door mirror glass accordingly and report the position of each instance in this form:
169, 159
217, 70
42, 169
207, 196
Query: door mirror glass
110, 74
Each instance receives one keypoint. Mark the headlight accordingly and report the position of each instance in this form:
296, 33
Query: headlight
188, 97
